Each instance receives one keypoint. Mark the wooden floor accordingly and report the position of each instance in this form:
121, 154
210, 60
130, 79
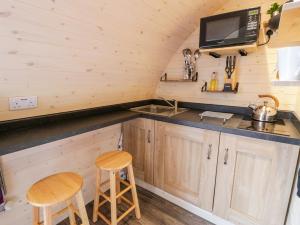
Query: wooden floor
155, 211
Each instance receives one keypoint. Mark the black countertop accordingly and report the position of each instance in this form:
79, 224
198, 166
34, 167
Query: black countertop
30, 134
191, 118
21, 138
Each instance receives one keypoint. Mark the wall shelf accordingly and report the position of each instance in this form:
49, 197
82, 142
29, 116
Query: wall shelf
164, 78
215, 92
182, 80
288, 33
243, 50
204, 89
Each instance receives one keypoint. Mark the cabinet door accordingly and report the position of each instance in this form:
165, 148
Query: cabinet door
254, 180
185, 162
138, 140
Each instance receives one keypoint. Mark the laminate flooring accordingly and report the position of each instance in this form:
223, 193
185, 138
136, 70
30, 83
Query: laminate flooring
154, 209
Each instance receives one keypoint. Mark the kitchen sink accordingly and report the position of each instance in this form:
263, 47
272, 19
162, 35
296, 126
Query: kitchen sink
159, 110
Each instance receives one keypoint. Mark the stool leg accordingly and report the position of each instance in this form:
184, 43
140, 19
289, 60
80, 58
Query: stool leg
96, 199
112, 176
47, 216
118, 187
36, 215
71, 213
81, 208
134, 193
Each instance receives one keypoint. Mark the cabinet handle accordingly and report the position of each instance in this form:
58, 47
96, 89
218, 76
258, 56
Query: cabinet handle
149, 136
209, 151
226, 156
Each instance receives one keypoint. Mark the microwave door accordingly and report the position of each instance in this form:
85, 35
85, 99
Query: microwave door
235, 37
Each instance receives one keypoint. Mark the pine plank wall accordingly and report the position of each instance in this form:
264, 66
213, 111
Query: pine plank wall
76, 54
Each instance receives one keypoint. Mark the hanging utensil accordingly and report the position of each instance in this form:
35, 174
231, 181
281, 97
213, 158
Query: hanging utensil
227, 66
196, 54
188, 63
232, 62
228, 70
234, 74
187, 52
230, 67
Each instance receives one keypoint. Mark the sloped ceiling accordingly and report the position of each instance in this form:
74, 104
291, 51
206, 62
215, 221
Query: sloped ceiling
77, 54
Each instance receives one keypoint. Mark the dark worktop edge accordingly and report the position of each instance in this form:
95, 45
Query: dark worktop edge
49, 118
116, 112
41, 141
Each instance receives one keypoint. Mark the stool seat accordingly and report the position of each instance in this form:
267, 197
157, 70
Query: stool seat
54, 189
114, 160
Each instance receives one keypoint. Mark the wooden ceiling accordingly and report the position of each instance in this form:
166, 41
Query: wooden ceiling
77, 54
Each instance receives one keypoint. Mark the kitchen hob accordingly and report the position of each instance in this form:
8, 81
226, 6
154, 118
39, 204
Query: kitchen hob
278, 127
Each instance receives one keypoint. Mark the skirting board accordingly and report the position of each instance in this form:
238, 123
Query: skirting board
183, 204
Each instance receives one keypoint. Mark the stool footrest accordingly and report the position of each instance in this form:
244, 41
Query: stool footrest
118, 179
119, 218
124, 182
104, 195
63, 211
102, 203
123, 191
104, 218
130, 203
125, 213
60, 212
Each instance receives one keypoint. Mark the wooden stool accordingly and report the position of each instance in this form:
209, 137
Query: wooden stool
113, 162
57, 188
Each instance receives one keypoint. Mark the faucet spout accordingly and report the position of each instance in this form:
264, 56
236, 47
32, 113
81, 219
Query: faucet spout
175, 105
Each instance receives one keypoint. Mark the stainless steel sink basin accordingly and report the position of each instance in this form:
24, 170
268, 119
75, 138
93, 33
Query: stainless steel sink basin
158, 110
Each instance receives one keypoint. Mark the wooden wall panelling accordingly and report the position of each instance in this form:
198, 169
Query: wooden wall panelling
256, 71
77, 154
81, 54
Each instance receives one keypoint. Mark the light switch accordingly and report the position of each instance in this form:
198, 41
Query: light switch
20, 103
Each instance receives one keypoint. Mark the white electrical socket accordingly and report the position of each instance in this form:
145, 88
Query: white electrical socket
20, 103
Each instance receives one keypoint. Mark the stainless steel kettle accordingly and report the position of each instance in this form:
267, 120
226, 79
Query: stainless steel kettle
265, 112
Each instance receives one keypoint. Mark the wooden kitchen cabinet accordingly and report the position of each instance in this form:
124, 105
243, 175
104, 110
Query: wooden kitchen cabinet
254, 180
138, 140
185, 162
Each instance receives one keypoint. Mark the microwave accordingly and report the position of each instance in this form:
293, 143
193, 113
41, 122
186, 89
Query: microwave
229, 29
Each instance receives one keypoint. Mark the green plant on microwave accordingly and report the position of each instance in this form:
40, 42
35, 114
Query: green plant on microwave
274, 9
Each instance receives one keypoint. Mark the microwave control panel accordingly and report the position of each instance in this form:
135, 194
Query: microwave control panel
253, 23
